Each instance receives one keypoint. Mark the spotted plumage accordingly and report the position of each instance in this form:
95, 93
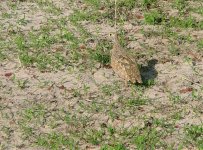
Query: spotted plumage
123, 65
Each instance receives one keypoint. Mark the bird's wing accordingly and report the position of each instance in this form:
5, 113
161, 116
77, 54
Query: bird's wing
124, 58
131, 68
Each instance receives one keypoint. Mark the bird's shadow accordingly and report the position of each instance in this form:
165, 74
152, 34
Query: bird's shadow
149, 72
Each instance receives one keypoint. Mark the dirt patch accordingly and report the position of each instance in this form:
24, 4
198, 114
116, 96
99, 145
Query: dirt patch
57, 90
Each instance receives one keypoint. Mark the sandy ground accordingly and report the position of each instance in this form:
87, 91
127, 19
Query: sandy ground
177, 87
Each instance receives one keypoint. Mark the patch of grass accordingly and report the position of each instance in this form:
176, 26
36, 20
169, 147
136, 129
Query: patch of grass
27, 131
6, 15
70, 119
122, 38
94, 107
57, 44
33, 115
12, 5
93, 136
111, 130
114, 147
153, 17
35, 48
69, 36
167, 125
174, 50
101, 54
43, 61
180, 4
24, 56
56, 141
23, 21
75, 121
168, 32
21, 83
20, 42
41, 39
148, 3
195, 135
200, 44
26, 59
175, 98
187, 22
35, 112
147, 139
129, 4
188, 59
136, 102
74, 54
76, 93
6, 130
101, 57
108, 90
151, 33
93, 15
3, 146
183, 38
196, 95
2, 55
49, 7
149, 82
177, 115
144, 138
198, 10
59, 60
84, 16
95, 3
200, 25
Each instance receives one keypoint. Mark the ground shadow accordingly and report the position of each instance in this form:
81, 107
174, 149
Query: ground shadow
149, 72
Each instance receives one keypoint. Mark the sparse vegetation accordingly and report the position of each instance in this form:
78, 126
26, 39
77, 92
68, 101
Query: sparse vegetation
57, 90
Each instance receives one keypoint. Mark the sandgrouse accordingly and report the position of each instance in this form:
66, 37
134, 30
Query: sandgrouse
123, 65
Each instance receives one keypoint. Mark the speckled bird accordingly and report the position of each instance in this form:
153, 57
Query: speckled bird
123, 64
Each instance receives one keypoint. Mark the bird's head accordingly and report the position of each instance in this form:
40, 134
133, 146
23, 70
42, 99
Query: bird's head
113, 36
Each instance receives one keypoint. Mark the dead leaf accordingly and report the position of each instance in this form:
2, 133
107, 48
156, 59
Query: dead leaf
141, 109
8, 74
82, 46
62, 87
186, 90
138, 16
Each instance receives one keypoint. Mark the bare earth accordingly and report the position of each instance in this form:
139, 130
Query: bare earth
82, 104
